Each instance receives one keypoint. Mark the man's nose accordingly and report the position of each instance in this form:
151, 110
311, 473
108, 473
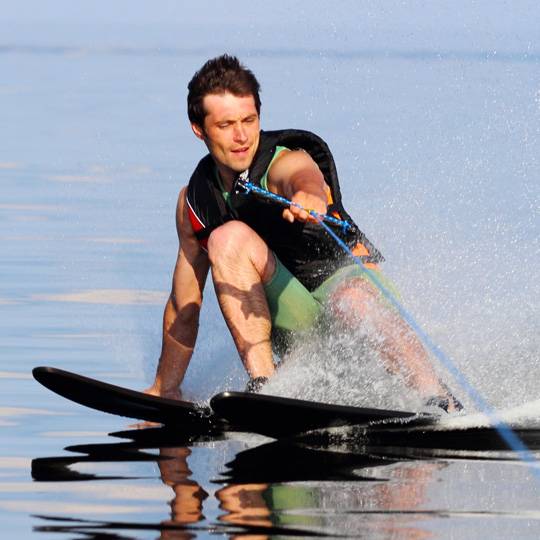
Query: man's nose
240, 133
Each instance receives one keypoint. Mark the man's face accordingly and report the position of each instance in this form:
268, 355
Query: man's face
230, 131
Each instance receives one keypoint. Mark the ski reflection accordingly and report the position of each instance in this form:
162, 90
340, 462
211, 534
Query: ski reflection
277, 488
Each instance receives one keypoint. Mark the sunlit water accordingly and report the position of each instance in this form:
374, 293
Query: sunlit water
436, 138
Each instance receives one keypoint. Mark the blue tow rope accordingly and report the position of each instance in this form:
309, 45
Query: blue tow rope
504, 430
246, 187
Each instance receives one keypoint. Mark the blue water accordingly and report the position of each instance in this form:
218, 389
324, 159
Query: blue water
432, 113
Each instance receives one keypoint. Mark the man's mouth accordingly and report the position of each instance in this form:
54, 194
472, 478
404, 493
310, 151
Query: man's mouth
240, 151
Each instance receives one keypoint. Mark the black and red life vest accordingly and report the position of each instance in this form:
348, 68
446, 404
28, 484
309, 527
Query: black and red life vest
306, 249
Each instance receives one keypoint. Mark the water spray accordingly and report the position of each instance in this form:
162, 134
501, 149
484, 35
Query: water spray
505, 431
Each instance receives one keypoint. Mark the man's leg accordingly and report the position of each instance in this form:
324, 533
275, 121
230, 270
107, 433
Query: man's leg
241, 263
357, 300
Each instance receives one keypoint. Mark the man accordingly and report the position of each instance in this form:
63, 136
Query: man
272, 268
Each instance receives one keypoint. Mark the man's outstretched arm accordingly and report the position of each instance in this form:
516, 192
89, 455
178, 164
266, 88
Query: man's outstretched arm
181, 316
297, 177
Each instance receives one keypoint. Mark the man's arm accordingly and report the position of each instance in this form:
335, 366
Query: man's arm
181, 317
297, 177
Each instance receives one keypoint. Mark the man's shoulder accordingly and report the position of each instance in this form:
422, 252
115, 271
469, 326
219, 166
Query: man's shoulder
288, 134
294, 139
204, 170
206, 163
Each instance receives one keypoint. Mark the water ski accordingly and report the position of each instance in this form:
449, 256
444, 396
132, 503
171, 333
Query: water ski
267, 415
281, 417
114, 399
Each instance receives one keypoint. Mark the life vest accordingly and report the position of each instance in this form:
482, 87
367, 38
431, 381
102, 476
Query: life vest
306, 249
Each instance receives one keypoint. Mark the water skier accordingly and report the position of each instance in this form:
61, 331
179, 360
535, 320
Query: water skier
272, 268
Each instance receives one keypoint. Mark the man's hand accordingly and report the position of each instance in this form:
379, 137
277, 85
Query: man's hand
308, 202
297, 177
170, 393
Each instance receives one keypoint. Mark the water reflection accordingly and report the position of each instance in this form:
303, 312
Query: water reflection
283, 461
274, 488
107, 296
356, 487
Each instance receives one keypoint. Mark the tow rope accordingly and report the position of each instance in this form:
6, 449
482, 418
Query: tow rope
243, 185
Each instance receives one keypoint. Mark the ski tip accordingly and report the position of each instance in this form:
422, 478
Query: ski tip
40, 371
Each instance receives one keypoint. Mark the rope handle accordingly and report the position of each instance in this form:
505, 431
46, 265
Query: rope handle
245, 187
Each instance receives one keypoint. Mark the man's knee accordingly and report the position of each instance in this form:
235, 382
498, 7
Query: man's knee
354, 298
229, 239
235, 243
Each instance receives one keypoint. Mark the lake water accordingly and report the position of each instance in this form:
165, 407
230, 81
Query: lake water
433, 115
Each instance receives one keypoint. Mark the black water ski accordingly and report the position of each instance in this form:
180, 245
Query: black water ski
471, 438
114, 399
281, 417
267, 415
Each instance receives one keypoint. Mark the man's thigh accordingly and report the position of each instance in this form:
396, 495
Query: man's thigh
292, 307
351, 277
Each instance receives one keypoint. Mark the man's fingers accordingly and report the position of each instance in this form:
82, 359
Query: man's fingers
308, 204
302, 204
294, 213
287, 215
298, 213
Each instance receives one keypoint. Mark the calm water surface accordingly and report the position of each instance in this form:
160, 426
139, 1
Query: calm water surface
436, 138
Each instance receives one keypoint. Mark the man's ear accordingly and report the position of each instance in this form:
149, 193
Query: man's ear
199, 131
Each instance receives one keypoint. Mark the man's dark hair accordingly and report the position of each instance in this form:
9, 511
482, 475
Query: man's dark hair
219, 75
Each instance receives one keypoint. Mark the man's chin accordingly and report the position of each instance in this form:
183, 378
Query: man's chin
240, 166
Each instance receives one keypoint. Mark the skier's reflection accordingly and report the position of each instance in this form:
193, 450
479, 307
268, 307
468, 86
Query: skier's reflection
187, 503
257, 506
